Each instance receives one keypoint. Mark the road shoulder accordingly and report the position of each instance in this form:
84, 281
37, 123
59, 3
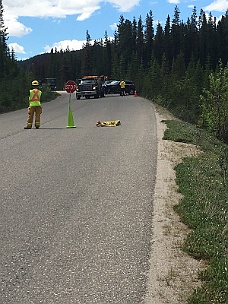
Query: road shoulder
173, 274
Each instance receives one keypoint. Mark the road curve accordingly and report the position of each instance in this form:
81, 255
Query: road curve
76, 203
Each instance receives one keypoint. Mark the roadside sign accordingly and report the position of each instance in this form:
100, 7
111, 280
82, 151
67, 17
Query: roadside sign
70, 86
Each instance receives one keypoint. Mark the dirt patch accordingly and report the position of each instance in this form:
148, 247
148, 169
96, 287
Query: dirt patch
173, 274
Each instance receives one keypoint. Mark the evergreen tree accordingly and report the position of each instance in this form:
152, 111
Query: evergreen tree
167, 41
125, 41
133, 67
140, 39
159, 48
134, 34
87, 63
203, 51
215, 105
116, 67
212, 49
175, 32
165, 82
107, 55
3, 44
149, 36
178, 67
222, 39
194, 35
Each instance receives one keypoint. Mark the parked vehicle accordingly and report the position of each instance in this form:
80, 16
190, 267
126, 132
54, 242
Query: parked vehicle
130, 87
91, 86
105, 85
48, 83
113, 87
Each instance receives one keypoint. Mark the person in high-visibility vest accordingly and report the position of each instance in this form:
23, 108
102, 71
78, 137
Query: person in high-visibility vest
34, 106
122, 88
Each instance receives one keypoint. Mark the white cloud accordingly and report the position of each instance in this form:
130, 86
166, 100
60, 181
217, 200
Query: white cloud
87, 12
64, 44
17, 48
16, 28
72, 45
124, 6
218, 5
113, 26
13, 9
174, 1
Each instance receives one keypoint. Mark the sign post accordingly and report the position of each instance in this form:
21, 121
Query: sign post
70, 87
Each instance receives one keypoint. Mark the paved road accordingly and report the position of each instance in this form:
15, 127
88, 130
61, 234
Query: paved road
76, 204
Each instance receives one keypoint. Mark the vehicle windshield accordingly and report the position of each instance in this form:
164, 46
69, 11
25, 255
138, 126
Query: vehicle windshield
51, 81
84, 81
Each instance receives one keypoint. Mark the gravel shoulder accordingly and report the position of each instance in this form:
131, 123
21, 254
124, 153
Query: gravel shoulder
173, 274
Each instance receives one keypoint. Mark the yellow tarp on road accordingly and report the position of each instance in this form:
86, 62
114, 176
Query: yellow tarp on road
111, 123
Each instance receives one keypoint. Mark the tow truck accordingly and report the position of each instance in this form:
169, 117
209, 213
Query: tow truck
91, 86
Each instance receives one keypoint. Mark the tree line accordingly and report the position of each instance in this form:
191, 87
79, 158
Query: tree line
182, 66
12, 77
15, 81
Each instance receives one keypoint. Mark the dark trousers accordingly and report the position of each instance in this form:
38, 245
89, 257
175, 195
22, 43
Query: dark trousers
122, 91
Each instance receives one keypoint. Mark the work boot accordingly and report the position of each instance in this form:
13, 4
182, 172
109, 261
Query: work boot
37, 127
27, 128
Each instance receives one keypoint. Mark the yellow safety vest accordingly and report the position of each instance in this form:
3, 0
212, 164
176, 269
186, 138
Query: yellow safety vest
122, 84
34, 98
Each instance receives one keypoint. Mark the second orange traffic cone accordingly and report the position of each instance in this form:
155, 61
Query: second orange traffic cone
135, 94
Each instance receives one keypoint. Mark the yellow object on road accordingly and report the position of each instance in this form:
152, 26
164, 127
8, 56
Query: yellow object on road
111, 123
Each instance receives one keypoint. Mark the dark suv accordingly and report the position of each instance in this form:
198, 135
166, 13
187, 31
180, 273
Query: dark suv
129, 87
113, 87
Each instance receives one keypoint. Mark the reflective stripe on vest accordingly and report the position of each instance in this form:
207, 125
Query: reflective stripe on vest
34, 98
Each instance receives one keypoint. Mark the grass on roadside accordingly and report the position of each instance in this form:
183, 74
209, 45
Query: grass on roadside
203, 182
48, 95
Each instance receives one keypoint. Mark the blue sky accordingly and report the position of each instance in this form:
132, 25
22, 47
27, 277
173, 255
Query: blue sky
34, 27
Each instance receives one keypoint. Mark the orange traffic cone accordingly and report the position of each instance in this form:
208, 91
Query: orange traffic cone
135, 94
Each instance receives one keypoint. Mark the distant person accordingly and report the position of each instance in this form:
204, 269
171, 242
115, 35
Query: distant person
122, 87
34, 106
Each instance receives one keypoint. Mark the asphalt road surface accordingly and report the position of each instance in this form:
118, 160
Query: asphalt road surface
76, 204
